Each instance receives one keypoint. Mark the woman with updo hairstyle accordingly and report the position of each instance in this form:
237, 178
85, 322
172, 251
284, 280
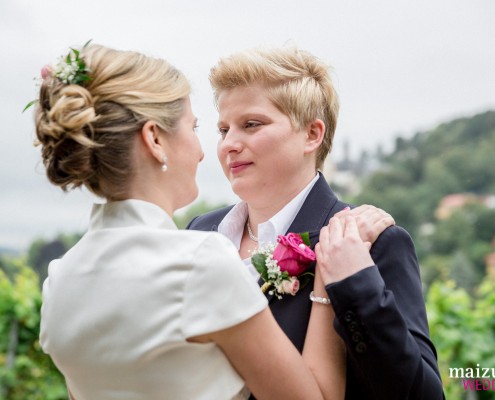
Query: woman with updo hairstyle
138, 309
87, 132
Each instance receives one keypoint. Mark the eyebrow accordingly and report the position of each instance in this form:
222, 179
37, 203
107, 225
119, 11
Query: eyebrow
248, 115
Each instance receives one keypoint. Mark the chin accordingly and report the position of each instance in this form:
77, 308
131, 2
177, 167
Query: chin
244, 192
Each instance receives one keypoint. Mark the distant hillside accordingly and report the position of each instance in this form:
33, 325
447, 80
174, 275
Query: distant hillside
455, 157
7, 251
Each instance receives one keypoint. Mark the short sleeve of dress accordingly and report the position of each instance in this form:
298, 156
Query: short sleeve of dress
219, 292
44, 312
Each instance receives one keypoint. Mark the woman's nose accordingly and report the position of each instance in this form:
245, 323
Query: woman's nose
232, 141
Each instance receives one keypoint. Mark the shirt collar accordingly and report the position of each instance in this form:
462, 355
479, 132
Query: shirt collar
128, 213
232, 225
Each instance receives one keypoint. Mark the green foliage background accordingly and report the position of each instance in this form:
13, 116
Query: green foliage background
456, 157
25, 371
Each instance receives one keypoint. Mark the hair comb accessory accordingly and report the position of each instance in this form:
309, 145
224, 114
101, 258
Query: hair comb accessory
71, 70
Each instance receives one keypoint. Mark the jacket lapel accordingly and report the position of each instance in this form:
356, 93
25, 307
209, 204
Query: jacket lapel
315, 212
317, 209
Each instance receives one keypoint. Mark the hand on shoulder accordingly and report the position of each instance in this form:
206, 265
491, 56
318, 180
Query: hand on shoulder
341, 252
371, 221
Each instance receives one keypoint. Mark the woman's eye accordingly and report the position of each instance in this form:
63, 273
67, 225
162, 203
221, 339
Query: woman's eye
252, 124
195, 128
222, 132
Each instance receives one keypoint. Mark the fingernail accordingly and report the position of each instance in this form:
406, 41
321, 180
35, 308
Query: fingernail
347, 208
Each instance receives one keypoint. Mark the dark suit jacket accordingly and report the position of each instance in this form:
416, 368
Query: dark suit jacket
380, 311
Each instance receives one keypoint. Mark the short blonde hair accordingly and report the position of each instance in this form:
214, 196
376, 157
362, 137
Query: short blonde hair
297, 83
87, 131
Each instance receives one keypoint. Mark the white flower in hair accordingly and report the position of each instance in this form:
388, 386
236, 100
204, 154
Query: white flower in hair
71, 70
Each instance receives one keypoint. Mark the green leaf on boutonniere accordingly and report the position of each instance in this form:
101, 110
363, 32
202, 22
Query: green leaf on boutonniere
305, 238
258, 260
304, 279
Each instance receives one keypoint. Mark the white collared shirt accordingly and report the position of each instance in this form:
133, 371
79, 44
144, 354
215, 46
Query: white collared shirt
232, 225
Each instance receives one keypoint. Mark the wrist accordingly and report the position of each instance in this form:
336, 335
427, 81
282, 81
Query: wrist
319, 299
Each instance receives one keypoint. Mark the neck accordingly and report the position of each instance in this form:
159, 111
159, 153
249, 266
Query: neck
149, 183
266, 205
141, 189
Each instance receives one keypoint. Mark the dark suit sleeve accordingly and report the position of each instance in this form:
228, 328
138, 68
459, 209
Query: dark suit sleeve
381, 316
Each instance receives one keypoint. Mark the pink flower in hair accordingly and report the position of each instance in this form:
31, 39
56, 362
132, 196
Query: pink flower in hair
46, 72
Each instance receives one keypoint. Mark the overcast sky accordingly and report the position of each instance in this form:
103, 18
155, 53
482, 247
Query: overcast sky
399, 67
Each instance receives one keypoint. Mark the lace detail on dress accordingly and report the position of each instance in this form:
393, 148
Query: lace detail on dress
243, 394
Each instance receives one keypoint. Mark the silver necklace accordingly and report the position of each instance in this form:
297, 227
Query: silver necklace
250, 232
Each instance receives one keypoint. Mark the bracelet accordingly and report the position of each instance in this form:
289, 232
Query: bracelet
321, 300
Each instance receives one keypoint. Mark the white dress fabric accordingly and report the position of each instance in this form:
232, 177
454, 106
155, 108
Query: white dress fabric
119, 306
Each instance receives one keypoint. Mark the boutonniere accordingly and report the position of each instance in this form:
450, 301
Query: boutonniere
283, 266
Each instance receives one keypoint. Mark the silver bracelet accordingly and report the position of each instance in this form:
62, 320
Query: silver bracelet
321, 300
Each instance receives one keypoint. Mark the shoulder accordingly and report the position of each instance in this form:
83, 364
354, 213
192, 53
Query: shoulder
210, 220
207, 251
200, 246
393, 238
215, 243
219, 292
395, 256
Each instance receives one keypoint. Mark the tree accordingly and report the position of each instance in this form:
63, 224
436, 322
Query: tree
42, 251
463, 330
25, 371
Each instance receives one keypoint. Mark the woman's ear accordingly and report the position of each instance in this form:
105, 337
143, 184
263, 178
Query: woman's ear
315, 133
153, 140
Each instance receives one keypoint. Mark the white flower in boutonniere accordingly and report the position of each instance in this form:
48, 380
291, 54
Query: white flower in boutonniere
283, 266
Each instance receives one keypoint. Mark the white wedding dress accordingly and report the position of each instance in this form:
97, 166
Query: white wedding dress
119, 306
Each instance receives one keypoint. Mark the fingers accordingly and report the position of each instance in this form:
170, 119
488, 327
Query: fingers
341, 251
371, 213
329, 235
351, 228
371, 221
336, 227
342, 212
325, 233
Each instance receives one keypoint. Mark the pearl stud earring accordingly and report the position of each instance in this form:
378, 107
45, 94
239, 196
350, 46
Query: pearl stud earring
164, 165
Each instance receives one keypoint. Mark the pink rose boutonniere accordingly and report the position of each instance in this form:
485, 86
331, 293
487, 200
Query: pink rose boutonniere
283, 266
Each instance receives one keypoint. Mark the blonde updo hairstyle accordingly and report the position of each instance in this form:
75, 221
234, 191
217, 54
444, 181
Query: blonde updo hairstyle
87, 131
296, 82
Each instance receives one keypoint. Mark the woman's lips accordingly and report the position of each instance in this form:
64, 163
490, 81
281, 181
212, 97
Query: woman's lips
239, 166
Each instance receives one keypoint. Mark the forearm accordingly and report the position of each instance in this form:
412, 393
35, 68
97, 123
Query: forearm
377, 333
324, 350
